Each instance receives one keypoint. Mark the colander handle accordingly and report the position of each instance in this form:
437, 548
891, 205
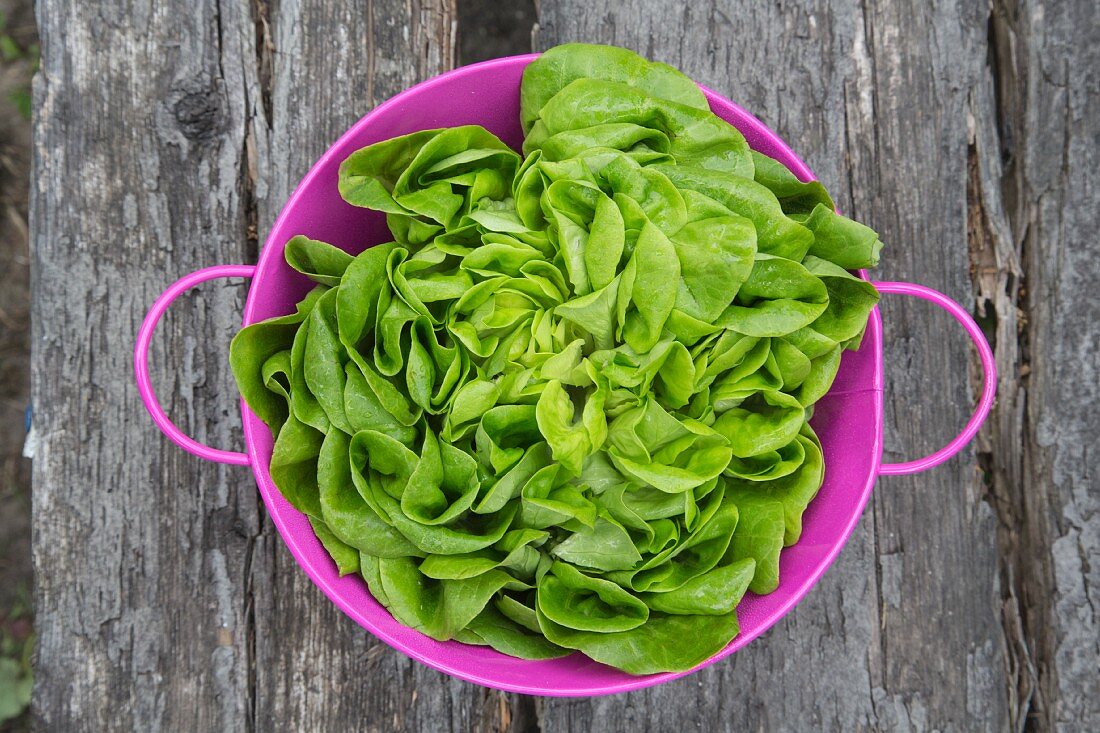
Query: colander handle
141, 363
989, 378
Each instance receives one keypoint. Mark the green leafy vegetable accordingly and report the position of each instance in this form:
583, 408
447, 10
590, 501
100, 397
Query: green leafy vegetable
566, 408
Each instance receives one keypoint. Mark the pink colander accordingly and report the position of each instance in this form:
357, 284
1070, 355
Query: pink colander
848, 419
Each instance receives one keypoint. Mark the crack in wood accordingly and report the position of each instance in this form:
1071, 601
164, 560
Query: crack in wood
997, 290
1000, 283
265, 52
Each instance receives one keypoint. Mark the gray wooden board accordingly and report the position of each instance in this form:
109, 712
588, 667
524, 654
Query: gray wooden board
1036, 257
167, 141
139, 549
903, 631
315, 668
962, 133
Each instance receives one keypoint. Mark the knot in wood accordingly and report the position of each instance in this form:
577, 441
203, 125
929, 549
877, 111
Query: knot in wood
199, 112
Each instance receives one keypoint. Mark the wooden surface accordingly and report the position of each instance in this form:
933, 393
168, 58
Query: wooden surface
166, 139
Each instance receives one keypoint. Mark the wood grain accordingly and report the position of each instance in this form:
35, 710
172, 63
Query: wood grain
315, 668
965, 133
167, 601
1034, 249
904, 631
140, 118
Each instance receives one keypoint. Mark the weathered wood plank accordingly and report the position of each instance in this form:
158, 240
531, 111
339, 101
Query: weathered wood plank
140, 118
1060, 56
1035, 217
941, 640
315, 668
168, 601
903, 631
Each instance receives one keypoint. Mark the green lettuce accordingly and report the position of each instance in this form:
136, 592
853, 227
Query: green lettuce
566, 408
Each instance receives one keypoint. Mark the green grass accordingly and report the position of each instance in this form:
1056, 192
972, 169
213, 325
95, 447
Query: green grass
16, 648
13, 53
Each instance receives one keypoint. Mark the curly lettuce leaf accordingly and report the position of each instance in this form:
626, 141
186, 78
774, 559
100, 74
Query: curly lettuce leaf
566, 408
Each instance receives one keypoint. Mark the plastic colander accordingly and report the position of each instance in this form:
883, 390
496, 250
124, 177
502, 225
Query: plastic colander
848, 419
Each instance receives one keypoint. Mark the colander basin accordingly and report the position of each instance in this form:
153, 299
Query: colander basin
849, 420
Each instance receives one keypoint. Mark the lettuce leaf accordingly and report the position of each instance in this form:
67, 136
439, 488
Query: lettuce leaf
566, 408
